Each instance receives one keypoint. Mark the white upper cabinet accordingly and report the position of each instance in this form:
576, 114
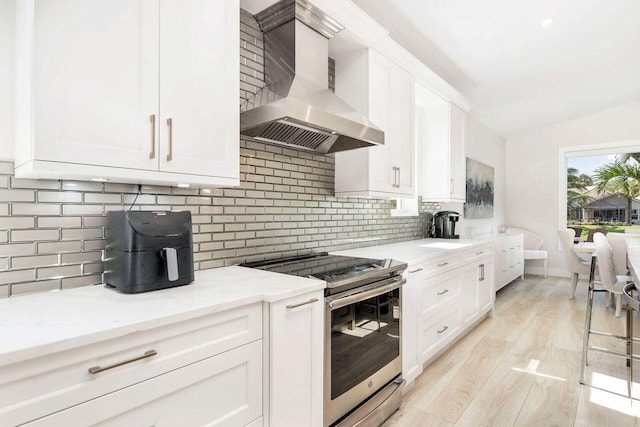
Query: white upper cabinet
380, 89
440, 136
133, 91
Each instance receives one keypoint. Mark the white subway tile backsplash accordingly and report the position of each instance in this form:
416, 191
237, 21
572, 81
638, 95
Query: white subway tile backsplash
31, 287
34, 183
33, 235
34, 261
17, 195
59, 196
16, 222
82, 209
34, 209
98, 198
58, 247
60, 221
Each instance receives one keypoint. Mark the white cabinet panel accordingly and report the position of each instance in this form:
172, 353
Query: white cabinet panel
296, 361
98, 81
383, 91
224, 389
440, 137
509, 261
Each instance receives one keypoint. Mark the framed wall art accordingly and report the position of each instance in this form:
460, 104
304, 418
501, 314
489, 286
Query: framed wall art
480, 188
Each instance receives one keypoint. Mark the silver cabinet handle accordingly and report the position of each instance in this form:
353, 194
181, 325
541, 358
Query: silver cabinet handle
442, 264
311, 301
170, 124
443, 329
479, 253
96, 369
398, 171
481, 272
415, 271
152, 119
452, 182
442, 292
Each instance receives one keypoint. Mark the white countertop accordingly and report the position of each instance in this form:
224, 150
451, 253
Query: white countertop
417, 250
39, 324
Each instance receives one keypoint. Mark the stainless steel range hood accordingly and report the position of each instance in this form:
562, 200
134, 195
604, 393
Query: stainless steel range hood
296, 108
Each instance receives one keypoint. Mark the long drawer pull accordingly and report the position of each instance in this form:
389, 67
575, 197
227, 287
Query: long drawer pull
442, 264
311, 301
443, 292
152, 119
443, 329
415, 271
96, 369
170, 125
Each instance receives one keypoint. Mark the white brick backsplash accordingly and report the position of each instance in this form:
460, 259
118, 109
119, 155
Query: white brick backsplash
33, 235
34, 209
34, 261
30, 287
59, 196
60, 221
284, 206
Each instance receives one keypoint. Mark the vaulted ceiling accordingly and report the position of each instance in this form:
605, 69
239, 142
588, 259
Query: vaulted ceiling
517, 74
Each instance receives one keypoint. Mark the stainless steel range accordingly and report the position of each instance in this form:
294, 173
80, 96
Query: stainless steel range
363, 361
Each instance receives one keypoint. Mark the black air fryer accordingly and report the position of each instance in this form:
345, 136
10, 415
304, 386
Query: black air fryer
147, 251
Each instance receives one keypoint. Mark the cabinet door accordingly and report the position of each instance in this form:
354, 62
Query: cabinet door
296, 360
411, 366
382, 174
224, 389
391, 108
486, 291
199, 87
95, 82
469, 292
457, 159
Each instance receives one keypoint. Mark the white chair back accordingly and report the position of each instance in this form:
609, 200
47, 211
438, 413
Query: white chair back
574, 263
606, 266
530, 240
619, 249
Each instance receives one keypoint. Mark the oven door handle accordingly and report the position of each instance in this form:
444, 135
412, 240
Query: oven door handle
361, 296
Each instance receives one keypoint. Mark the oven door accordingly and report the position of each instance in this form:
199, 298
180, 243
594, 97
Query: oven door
362, 345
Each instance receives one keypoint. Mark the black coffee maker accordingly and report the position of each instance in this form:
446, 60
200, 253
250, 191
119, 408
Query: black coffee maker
444, 225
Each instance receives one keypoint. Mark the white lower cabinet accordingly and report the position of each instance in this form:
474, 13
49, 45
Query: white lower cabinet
411, 366
509, 261
452, 298
296, 361
224, 389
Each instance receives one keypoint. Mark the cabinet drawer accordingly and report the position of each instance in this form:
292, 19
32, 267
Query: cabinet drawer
220, 390
437, 328
479, 252
437, 264
41, 386
438, 289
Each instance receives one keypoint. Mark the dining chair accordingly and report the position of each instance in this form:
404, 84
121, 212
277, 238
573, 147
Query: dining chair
531, 247
594, 231
618, 244
632, 303
611, 282
575, 265
578, 232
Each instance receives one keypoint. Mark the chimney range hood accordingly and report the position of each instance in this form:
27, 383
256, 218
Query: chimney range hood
296, 108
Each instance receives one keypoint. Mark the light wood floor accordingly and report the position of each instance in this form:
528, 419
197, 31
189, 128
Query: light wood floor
521, 367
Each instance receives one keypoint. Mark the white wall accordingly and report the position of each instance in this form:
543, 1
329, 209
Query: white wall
6, 79
485, 146
532, 164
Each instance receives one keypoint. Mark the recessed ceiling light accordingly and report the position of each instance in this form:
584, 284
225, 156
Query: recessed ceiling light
181, 185
546, 22
99, 179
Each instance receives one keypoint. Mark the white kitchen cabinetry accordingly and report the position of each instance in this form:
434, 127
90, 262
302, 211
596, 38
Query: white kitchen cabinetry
478, 280
411, 366
380, 89
130, 91
456, 291
440, 137
296, 361
200, 371
509, 261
